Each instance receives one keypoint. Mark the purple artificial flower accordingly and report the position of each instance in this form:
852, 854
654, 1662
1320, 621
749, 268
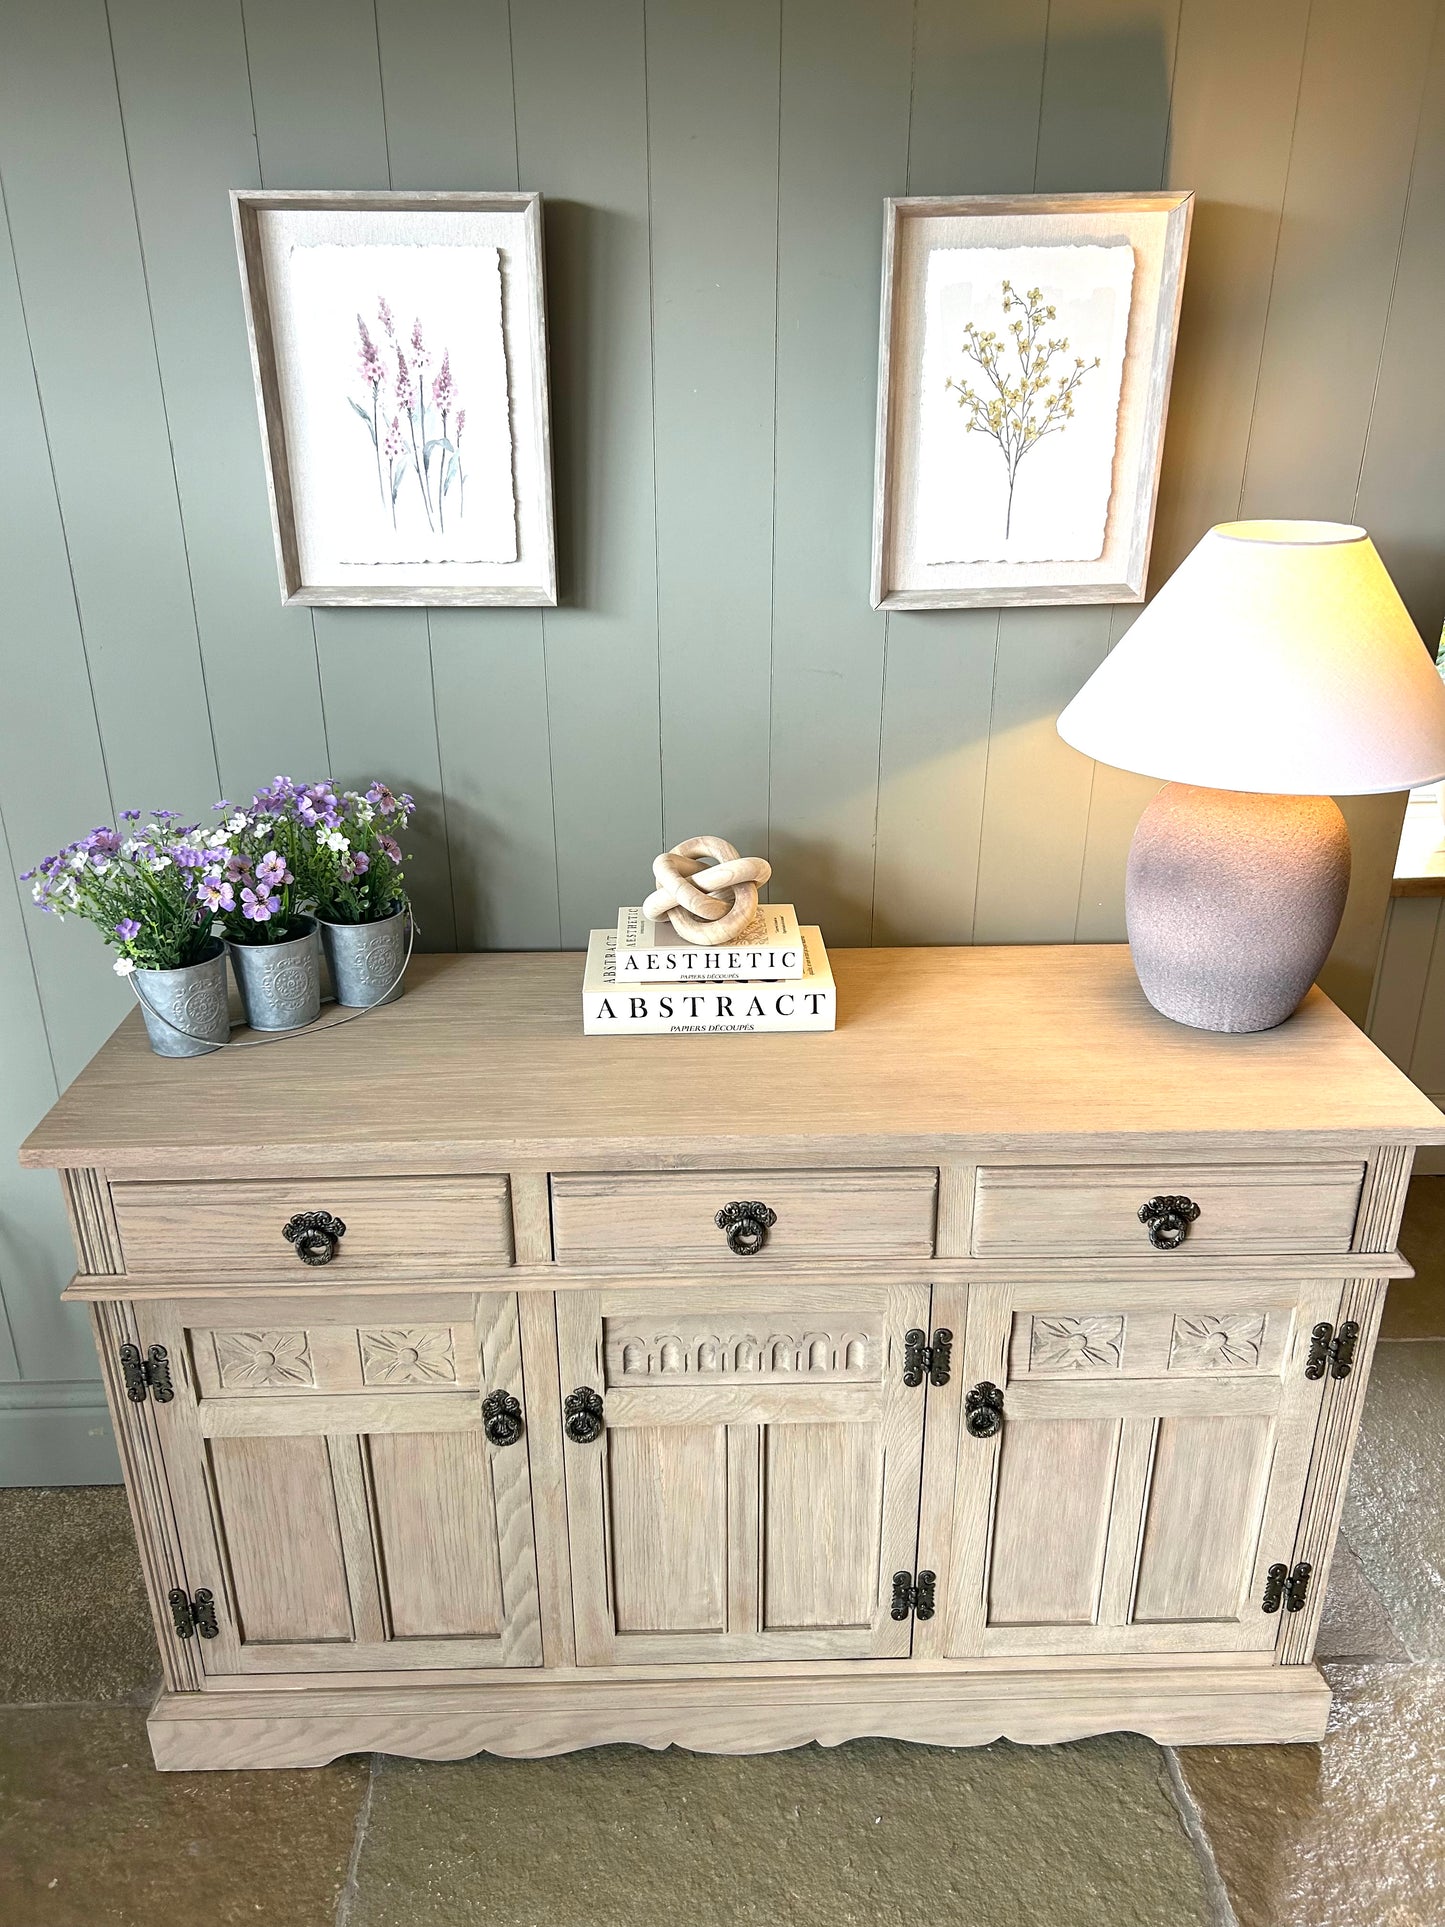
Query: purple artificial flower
185, 857
258, 906
371, 366
215, 893
277, 796
442, 391
318, 804
408, 803
271, 871
389, 847
238, 866
381, 798
405, 393
383, 308
130, 816
127, 929
360, 863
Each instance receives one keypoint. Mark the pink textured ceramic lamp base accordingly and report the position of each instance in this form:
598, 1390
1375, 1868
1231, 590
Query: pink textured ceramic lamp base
1233, 900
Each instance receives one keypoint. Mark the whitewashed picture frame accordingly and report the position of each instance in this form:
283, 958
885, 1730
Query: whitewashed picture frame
399, 347
1025, 354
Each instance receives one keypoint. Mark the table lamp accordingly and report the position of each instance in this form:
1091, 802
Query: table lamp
1276, 669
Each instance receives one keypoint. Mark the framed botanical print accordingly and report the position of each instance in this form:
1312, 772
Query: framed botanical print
399, 345
1024, 363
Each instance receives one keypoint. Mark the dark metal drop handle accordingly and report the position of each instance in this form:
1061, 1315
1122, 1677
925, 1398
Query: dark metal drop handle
315, 1235
1168, 1220
501, 1418
983, 1411
582, 1415
747, 1227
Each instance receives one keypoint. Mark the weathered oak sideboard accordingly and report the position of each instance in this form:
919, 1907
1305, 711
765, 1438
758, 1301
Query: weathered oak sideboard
1015, 1395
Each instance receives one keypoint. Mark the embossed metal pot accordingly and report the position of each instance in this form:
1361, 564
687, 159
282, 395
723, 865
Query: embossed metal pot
367, 959
185, 1009
280, 982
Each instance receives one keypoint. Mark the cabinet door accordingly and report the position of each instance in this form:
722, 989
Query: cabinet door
1149, 1470
754, 1487
334, 1489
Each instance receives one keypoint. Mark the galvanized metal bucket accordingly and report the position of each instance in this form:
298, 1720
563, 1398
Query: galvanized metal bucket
280, 982
185, 1009
368, 960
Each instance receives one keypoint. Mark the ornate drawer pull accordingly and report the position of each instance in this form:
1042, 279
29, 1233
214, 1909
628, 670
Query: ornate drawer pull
582, 1415
747, 1227
315, 1235
983, 1410
501, 1418
1168, 1221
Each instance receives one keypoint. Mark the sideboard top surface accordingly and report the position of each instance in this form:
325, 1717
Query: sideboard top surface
974, 1051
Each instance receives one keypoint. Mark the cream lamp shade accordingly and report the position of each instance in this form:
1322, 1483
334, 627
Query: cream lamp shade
1278, 658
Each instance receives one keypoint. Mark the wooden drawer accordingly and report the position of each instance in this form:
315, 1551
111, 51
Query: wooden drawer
394, 1226
1094, 1211
633, 1218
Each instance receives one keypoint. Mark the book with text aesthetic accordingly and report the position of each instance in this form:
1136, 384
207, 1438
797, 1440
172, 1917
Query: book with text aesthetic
614, 1009
649, 951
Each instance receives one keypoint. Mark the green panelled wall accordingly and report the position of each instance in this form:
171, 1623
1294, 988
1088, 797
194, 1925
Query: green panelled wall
714, 176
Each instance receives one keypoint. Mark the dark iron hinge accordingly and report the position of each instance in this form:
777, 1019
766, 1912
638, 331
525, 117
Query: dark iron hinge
921, 1359
196, 1615
1285, 1588
909, 1597
149, 1375
1335, 1348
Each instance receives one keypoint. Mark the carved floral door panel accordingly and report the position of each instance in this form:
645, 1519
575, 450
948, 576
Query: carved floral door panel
1148, 1471
334, 1487
754, 1484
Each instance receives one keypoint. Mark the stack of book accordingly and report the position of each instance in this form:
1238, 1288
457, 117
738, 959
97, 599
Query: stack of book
640, 980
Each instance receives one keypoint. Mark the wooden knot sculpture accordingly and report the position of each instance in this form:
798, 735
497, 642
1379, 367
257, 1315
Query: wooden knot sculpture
706, 889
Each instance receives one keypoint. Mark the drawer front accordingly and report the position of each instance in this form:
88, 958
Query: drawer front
394, 1226
1243, 1209
632, 1218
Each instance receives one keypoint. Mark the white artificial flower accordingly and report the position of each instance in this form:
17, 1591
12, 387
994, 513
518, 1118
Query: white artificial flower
218, 839
123, 966
334, 840
159, 863
364, 809
236, 822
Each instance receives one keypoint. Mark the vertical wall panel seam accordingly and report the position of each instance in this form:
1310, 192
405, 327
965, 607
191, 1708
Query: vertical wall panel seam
386, 139
441, 777
1038, 143
773, 504
1429, 972
516, 135
1274, 263
22, 897
652, 436
59, 505
1426, 69
261, 178
250, 87
161, 389
1169, 111
987, 755
887, 619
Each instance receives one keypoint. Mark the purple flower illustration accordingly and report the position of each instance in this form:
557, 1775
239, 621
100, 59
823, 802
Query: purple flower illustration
128, 929
403, 439
373, 373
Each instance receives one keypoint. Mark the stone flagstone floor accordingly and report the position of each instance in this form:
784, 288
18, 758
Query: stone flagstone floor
1115, 1832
